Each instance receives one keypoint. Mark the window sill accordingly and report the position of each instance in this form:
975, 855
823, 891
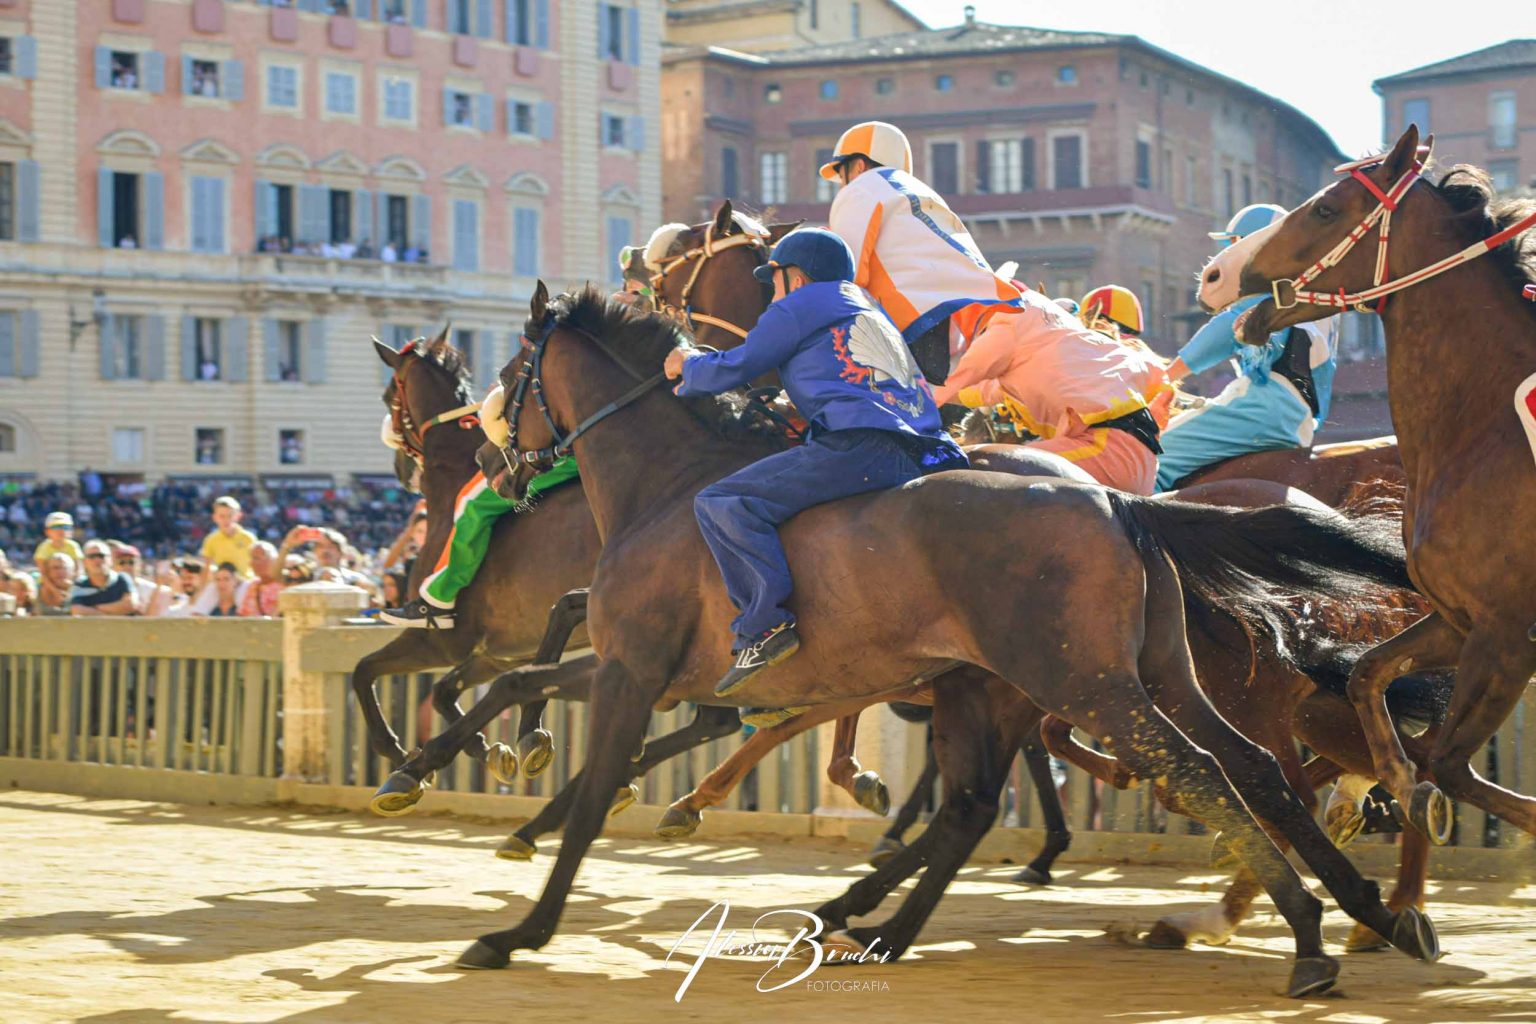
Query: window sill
210, 102
294, 112
327, 115
389, 122
136, 95
464, 129
12, 82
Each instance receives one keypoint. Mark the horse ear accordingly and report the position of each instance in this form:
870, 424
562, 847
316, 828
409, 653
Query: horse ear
725, 221
539, 302
778, 231
1403, 153
440, 340
390, 356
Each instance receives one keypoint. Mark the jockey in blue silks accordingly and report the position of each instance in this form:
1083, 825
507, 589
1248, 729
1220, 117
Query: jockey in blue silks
1282, 390
873, 425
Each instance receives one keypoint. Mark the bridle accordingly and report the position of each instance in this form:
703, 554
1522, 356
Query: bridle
413, 438
1381, 218
529, 377
683, 312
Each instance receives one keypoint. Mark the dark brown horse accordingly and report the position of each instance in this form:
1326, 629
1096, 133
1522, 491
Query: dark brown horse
1459, 342
1057, 556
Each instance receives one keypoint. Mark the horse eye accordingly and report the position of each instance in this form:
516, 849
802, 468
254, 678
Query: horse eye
1322, 211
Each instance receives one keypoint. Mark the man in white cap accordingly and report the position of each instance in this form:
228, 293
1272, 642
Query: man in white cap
60, 529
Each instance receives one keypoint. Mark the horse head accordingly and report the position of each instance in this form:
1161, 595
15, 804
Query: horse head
429, 380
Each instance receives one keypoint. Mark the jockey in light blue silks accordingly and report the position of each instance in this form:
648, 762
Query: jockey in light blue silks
1282, 390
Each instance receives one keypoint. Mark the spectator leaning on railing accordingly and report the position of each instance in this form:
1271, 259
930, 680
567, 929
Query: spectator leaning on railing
102, 590
153, 598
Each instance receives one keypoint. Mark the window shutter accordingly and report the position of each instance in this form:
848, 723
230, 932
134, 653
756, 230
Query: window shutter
314, 213
29, 344
104, 208
153, 65
186, 75
154, 362
634, 134
447, 106
232, 80
632, 23
380, 219
541, 24
237, 349
421, 221
419, 13
525, 241
10, 366
1027, 149
486, 366
483, 19
314, 351
215, 214
362, 216
103, 67
270, 361
28, 186
26, 57
188, 348
199, 212
266, 209
603, 41
362, 9
544, 115
466, 230
485, 118
983, 166
152, 184
107, 338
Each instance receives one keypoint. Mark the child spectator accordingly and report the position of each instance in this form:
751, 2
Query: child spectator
229, 542
60, 529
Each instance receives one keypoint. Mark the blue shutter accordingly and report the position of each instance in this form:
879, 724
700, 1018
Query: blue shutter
541, 24
602, 32
544, 120
466, 232
511, 22
362, 217
634, 134
215, 214
26, 56
103, 67
272, 369
266, 209
314, 351
232, 80
483, 19
154, 358
362, 9
447, 106
186, 75
107, 340
28, 187
314, 213
152, 184
237, 349
485, 117
188, 348
104, 209
632, 23
153, 66
380, 219
9, 365
618, 238
421, 222
199, 233
419, 13
26, 363
525, 242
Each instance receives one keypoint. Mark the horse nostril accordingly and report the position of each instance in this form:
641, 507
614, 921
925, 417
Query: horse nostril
1213, 275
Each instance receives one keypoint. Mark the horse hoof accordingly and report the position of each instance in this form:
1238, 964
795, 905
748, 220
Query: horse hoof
871, 794
536, 750
1414, 934
501, 761
1344, 822
1224, 855
515, 847
1365, 940
678, 823
844, 945
1029, 876
1165, 935
399, 795
1312, 975
623, 798
483, 957
884, 849
1430, 812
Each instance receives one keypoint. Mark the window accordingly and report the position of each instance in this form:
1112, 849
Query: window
209, 446
944, 167
396, 221
885, 86
1227, 197
772, 93
393, 11
1189, 97
1003, 78
1501, 120
1148, 306
459, 16
341, 216
207, 197
525, 242
730, 181
815, 14
828, 89
1005, 170
774, 178
461, 109
207, 349
620, 231
825, 190
290, 350
1143, 163
944, 83
282, 87
1190, 171
127, 347
290, 447
1505, 174
1247, 189
1416, 112
1067, 159
7, 202
10, 358
1067, 75
128, 445
520, 28
856, 21
399, 99
6, 65
1165, 184
7, 438
125, 211
613, 130
205, 78
464, 341
125, 70
340, 93
520, 119
611, 31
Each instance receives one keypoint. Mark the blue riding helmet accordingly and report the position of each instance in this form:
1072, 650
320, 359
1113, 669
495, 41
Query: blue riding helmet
1246, 221
820, 255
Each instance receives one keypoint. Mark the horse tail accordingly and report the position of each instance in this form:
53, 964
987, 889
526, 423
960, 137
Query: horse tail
1415, 701
1251, 563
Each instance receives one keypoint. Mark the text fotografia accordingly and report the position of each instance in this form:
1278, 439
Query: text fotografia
803, 946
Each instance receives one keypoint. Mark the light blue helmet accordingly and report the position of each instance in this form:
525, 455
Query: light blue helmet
1248, 220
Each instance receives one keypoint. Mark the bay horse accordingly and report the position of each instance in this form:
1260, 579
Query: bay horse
1460, 341
1055, 552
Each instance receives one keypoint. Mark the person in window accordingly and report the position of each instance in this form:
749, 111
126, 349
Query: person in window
209, 370
412, 254
102, 590
389, 254
127, 242
364, 250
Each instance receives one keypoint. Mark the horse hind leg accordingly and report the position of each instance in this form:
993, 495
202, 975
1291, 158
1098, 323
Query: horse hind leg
535, 744
845, 772
1057, 836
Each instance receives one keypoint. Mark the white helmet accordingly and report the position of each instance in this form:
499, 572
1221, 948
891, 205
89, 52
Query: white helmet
883, 143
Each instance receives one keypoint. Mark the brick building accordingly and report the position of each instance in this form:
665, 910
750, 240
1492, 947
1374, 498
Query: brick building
761, 26
1481, 107
151, 150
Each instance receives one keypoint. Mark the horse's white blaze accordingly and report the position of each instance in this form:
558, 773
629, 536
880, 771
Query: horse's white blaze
1229, 265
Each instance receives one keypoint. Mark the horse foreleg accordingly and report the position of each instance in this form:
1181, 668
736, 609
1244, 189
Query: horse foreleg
535, 744
1057, 836
412, 651
1057, 736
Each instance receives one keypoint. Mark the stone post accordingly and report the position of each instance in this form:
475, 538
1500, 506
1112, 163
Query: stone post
305, 609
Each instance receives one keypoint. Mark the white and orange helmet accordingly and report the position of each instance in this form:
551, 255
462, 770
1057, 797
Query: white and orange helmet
883, 143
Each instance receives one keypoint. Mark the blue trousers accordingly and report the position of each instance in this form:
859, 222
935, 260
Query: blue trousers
1244, 418
740, 515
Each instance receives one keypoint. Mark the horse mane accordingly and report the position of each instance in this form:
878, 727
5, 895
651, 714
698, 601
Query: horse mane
669, 240
639, 342
1469, 191
450, 360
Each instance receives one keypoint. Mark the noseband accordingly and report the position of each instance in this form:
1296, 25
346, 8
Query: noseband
413, 438
684, 313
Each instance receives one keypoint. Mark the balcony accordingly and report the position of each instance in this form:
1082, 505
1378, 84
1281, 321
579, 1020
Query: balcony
1042, 205
354, 275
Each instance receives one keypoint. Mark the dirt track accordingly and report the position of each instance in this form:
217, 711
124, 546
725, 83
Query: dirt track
122, 911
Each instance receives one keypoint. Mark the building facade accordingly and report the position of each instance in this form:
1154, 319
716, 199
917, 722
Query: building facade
207, 207
1481, 107
761, 26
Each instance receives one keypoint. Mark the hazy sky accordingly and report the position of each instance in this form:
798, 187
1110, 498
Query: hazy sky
1319, 57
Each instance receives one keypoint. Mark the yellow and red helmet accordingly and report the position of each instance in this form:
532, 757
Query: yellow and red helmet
1116, 304
883, 143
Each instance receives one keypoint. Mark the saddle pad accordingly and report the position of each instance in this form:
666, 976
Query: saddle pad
1525, 406
1330, 451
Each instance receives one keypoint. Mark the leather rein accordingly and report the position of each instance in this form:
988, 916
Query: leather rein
683, 312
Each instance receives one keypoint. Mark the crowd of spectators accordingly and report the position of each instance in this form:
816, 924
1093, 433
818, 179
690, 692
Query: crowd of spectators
343, 250
179, 550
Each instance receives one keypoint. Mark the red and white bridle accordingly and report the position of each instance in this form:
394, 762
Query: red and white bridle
1381, 217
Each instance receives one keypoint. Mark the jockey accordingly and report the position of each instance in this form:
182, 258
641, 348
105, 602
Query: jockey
1116, 311
911, 252
873, 425
1282, 390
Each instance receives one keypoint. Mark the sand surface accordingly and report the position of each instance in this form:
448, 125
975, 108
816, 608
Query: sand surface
124, 911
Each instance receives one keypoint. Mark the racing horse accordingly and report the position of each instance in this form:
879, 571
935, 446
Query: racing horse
1446, 280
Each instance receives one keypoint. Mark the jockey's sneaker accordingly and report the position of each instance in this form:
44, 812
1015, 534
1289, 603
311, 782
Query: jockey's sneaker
769, 648
767, 718
418, 613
